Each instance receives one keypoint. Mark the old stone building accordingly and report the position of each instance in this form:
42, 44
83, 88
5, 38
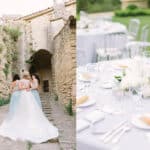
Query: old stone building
47, 47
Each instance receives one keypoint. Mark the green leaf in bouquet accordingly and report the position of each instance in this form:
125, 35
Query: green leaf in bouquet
118, 78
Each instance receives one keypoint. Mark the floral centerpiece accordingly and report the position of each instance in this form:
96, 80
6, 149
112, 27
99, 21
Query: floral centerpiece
135, 75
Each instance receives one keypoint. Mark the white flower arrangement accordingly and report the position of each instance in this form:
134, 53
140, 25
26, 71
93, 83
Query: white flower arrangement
138, 74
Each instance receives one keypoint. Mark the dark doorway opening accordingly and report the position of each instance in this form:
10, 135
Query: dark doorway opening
41, 65
46, 86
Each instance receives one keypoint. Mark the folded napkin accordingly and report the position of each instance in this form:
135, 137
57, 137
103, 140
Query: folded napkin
81, 100
81, 125
95, 116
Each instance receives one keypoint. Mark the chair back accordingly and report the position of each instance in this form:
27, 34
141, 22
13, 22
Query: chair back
115, 40
134, 27
145, 33
112, 47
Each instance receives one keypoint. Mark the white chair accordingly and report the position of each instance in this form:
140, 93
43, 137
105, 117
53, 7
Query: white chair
111, 48
136, 47
133, 29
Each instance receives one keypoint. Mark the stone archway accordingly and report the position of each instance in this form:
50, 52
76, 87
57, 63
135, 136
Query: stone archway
41, 65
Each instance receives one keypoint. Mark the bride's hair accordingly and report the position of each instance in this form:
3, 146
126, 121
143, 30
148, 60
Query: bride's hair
16, 77
37, 77
26, 75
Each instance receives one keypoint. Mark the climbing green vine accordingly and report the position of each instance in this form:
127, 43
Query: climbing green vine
14, 33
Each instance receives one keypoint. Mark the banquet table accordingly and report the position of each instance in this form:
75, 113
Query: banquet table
88, 40
127, 107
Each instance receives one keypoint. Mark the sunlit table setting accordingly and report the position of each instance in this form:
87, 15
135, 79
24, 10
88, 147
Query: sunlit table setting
94, 34
113, 105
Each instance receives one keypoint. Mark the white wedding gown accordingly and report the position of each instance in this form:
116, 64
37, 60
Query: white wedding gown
28, 123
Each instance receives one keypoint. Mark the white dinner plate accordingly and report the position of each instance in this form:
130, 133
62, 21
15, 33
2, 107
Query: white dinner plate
88, 103
139, 123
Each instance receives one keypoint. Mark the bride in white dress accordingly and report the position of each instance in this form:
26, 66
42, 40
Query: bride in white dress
28, 122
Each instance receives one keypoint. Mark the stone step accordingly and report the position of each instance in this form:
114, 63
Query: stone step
46, 109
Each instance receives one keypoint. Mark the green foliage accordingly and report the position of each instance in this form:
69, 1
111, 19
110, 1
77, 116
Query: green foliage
56, 97
4, 101
29, 61
69, 108
92, 6
132, 6
29, 146
82, 5
14, 56
146, 51
132, 12
118, 78
125, 20
14, 33
6, 70
149, 3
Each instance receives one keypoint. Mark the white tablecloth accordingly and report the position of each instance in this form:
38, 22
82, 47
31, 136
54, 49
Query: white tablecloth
134, 139
88, 40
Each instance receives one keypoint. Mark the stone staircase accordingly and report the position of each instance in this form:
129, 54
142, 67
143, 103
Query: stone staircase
47, 110
66, 124
46, 105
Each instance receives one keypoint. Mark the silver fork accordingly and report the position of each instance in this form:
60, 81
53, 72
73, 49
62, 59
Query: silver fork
115, 133
124, 130
107, 134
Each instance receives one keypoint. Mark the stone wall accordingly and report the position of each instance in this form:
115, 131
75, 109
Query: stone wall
64, 64
8, 61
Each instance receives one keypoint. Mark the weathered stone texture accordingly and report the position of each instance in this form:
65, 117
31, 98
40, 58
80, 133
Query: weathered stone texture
64, 64
7, 47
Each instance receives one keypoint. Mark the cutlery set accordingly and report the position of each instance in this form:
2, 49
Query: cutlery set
115, 134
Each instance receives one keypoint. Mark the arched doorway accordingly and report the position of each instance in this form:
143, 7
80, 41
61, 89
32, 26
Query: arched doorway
41, 65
